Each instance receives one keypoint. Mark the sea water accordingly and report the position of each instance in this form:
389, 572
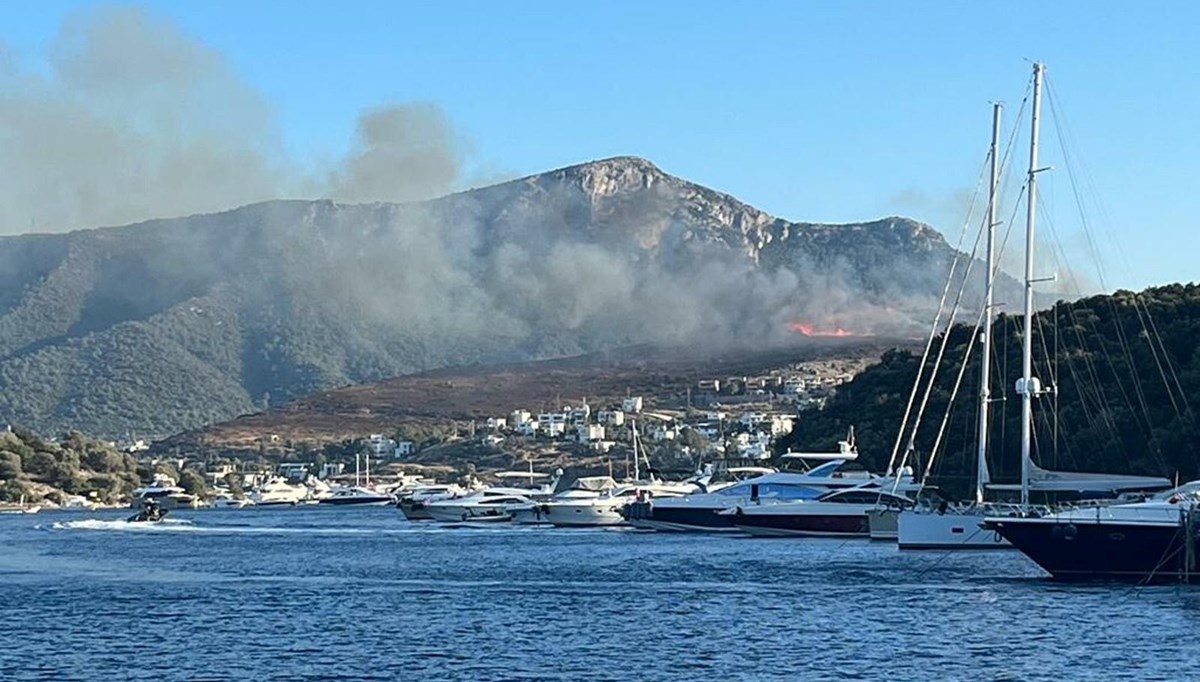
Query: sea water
362, 594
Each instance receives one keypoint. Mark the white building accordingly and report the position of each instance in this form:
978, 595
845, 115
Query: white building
757, 447
588, 433
632, 405
781, 424
378, 446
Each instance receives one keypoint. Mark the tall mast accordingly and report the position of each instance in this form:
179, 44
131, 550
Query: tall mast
637, 470
1027, 387
985, 338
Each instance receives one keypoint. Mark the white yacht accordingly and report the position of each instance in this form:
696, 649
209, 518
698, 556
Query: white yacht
353, 495
412, 502
489, 504
584, 489
605, 509
165, 493
225, 500
277, 492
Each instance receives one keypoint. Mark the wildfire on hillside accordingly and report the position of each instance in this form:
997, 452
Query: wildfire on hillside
807, 329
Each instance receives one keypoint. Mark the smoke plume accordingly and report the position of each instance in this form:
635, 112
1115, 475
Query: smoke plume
125, 118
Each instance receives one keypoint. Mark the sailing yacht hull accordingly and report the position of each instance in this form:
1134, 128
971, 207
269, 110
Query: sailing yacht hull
1083, 551
951, 530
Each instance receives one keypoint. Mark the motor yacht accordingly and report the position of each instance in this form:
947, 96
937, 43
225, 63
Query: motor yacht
605, 509
277, 492
412, 502
701, 511
353, 495
584, 489
838, 513
489, 504
163, 492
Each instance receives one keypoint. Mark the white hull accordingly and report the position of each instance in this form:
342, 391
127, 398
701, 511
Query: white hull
468, 513
583, 514
530, 515
951, 530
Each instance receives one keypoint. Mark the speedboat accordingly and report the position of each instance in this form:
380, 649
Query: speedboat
226, 500
277, 492
838, 513
150, 512
605, 509
487, 505
353, 495
701, 511
1154, 540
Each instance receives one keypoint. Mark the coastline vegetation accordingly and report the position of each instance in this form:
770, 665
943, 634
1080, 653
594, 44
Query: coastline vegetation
1127, 370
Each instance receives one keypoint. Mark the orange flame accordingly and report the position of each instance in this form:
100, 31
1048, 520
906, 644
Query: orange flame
805, 329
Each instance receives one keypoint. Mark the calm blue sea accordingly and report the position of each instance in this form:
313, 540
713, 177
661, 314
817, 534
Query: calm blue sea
361, 594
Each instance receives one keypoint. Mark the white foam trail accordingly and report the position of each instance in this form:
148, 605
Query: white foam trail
187, 526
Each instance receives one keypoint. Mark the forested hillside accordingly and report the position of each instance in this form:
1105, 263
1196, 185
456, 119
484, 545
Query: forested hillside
1127, 366
154, 328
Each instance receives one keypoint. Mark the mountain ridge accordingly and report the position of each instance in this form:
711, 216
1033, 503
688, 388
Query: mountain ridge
173, 323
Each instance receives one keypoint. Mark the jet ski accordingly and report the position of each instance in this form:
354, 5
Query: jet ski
149, 513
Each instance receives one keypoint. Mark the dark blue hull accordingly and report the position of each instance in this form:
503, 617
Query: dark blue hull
1124, 552
676, 519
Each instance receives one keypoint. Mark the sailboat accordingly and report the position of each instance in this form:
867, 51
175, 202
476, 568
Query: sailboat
1150, 541
962, 526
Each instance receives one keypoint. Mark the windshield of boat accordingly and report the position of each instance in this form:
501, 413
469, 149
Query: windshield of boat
774, 491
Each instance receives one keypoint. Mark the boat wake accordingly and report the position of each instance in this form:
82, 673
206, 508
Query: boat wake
187, 526
103, 524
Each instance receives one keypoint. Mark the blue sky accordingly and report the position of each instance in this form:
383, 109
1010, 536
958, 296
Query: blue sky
814, 111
